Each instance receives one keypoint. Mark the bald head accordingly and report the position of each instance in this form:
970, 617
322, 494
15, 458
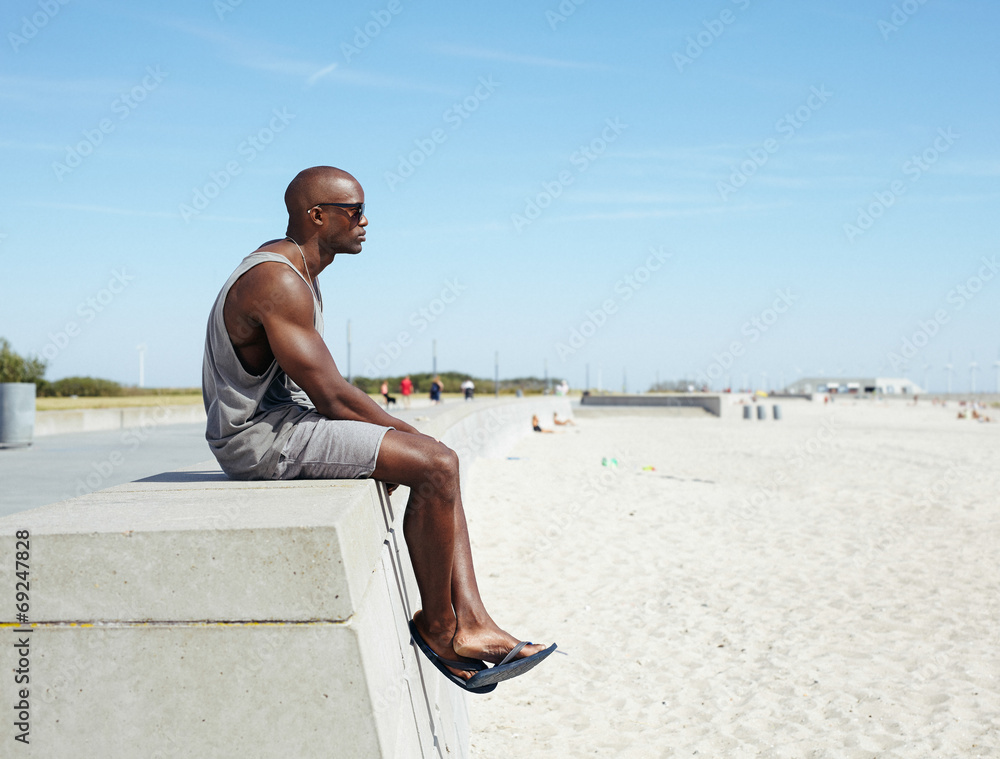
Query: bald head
320, 184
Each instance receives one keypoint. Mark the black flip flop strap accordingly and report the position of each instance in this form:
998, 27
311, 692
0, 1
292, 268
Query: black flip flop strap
462, 665
513, 652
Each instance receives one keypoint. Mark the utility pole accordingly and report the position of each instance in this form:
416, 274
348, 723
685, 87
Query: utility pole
496, 374
348, 351
142, 364
434, 358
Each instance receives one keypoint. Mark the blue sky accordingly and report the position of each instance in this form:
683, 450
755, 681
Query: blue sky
737, 190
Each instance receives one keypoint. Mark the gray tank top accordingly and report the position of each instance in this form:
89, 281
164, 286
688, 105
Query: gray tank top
250, 417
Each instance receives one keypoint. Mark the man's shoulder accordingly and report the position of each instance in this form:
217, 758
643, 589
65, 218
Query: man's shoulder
269, 283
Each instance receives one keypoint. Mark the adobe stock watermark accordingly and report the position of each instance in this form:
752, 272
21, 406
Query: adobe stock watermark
804, 452
372, 29
30, 27
101, 470
224, 7
713, 29
581, 159
787, 126
599, 484
624, 290
454, 116
752, 329
122, 106
248, 150
901, 13
88, 311
913, 169
927, 329
420, 320
563, 11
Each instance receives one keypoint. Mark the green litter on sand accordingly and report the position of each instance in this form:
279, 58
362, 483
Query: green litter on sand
609, 462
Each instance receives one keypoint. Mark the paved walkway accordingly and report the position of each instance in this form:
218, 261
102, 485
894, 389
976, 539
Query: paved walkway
58, 467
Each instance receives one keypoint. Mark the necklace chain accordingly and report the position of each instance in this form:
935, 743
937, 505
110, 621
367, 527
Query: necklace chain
308, 275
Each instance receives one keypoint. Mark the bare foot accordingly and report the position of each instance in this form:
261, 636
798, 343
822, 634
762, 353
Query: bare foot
488, 642
440, 642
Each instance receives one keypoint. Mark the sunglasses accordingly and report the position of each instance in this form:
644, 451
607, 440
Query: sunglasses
356, 214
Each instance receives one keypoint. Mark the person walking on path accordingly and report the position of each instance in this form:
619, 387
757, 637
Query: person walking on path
406, 388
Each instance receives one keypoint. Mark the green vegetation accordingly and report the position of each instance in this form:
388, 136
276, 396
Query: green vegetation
452, 382
14, 368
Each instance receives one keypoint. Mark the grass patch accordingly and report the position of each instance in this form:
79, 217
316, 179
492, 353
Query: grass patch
120, 401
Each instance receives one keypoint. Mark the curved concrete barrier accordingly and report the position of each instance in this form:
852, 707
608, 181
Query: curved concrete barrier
100, 419
191, 615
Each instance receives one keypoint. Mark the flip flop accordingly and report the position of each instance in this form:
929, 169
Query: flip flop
475, 665
509, 667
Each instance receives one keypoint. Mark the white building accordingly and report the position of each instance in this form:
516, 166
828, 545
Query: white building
857, 385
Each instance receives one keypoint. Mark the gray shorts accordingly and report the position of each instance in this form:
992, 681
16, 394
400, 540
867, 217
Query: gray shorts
330, 449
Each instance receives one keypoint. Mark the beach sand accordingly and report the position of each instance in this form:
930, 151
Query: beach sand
822, 586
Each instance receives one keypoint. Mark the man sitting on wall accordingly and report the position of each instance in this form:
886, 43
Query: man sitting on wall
278, 408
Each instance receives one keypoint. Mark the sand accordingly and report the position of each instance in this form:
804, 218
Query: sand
822, 586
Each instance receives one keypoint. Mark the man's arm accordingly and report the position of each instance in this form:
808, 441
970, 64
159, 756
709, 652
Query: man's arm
300, 351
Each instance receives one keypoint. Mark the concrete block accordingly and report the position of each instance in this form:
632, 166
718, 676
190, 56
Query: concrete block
198, 690
190, 550
190, 615
102, 419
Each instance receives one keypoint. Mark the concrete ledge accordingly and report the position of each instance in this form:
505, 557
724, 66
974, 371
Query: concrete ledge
100, 419
190, 615
711, 403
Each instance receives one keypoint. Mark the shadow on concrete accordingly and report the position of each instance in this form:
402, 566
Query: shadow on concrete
207, 475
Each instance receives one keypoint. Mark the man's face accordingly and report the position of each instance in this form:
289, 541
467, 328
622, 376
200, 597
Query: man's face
343, 227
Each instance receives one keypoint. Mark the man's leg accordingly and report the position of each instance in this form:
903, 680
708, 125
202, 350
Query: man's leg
454, 619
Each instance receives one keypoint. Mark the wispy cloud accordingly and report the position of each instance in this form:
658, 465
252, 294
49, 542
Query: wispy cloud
117, 211
36, 89
20, 145
970, 168
484, 54
325, 71
260, 56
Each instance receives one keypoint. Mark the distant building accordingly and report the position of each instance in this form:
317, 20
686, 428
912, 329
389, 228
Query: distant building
856, 385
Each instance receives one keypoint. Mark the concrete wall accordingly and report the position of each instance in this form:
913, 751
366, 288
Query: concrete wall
711, 403
99, 419
190, 615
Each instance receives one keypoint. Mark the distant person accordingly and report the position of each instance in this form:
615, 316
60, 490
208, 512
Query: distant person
278, 409
406, 389
537, 427
389, 400
436, 388
467, 388
562, 422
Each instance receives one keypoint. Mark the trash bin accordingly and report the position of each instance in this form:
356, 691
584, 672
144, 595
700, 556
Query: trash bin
762, 411
747, 412
776, 409
17, 414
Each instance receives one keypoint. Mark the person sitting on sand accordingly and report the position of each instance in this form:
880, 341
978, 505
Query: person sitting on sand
279, 408
536, 426
561, 422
